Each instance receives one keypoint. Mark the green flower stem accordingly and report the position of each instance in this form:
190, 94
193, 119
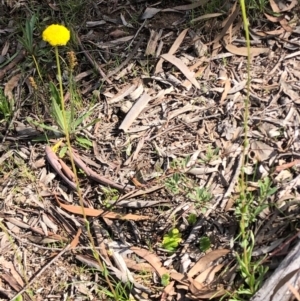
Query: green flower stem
243, 223
66, 128
37, 67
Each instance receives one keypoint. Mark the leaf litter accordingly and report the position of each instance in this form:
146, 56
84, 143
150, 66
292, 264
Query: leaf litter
170, 128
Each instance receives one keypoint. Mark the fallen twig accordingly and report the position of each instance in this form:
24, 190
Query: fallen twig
93, 62
62, 169
41, 272
93, 175
12, 64
287, 165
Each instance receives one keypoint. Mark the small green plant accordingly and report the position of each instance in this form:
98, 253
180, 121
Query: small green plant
122, 295
256, 6
6, 107
253, 204
249, 206
265, 189
110, 196
58, 35
72, 11
210, 155
67, 121
171, 240
72, 123
121, 291
180, 164
27, 40
192, 219
204, 243
200, 195
252, 272
165, 279
178, 182
173, 182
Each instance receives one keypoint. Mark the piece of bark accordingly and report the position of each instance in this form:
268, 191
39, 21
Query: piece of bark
152, 42
276, 287
135, 111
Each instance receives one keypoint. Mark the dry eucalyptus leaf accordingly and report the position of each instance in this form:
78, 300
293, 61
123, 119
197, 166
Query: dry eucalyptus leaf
191, 6
174, 47
10, 85
117, 33
227, 86
152, 258
9, 266
200, 48
283, 176
136, 109
205, 261
133, 203
289, 91
49, 223
137, 92
126, 106
238, 87
209, 274
124, 22
182, 67
153, 42
243, 51
113, 43
150, 12
207, 293
94, 23
127, 90
260, 151
207, 16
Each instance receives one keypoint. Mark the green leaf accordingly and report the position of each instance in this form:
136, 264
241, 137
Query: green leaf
69, 121
89, 124
27, 39
44, 126
165, 279
63, 151
84, 142
171, 240
81, 118
6, 62
204, 244
54, 93
192, 218
58, 115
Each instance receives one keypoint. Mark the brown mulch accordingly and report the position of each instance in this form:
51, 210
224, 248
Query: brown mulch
168, 90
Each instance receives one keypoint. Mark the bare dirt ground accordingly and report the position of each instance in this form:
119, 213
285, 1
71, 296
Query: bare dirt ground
167, 85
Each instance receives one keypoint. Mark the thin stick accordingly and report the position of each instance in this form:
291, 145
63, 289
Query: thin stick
93, 62
41, 272
136, 34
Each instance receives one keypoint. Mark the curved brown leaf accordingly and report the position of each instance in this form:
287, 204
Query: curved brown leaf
203, 262
182, 67
243, 51
97, 212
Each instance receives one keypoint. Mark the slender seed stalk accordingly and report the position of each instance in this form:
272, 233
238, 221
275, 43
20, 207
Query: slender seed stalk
67, 134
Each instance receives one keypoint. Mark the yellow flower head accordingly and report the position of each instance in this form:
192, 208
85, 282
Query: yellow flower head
56, 35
